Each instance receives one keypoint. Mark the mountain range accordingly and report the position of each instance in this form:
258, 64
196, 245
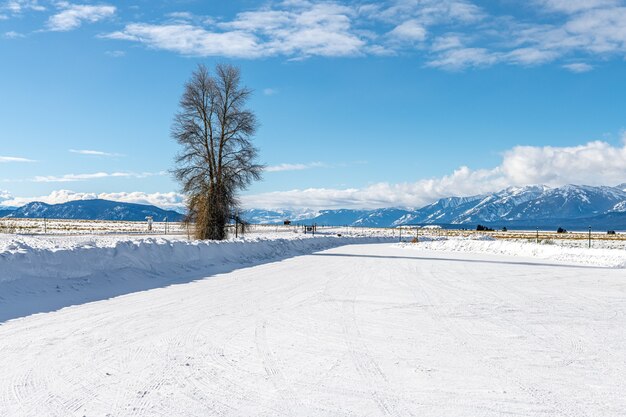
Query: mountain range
571, 206
91, 210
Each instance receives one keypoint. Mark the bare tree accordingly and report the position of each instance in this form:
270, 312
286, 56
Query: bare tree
217, 159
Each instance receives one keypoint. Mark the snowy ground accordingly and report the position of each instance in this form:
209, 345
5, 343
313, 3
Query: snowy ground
359, 330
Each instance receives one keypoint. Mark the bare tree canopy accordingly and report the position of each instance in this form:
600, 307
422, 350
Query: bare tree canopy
215, 130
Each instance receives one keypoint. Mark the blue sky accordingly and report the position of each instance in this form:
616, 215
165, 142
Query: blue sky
362, 104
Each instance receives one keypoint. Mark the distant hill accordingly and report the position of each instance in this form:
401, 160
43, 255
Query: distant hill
607, 221
92, 210
4, 213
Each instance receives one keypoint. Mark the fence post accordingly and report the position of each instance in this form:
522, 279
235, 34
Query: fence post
589, 237
537, 239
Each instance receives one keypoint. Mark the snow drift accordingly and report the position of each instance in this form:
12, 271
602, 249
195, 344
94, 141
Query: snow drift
612, 258
43, 274
155, 256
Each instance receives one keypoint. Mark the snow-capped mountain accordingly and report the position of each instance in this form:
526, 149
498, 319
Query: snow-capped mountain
499, 205
259, 216
386, 217
523, 206
445, 210
93, 210
531, 203
569, 202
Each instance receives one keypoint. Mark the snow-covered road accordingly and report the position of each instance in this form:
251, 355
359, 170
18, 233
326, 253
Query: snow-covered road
360, 330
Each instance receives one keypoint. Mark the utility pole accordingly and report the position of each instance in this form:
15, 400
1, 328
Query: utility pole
537, 239
589, 237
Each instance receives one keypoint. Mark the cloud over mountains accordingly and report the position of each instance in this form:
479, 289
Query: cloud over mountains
593, 163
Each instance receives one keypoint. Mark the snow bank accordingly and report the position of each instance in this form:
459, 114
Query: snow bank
614, 258
75, 258
41, 274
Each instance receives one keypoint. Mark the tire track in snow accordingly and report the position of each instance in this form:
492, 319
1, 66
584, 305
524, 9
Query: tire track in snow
202, 368
290, 401
128, 356
369, 370
571, 347
472, 345
30, 390
186, 375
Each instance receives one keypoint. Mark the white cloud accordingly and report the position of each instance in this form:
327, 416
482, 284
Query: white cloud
573, 30
578, 67
93, 153
294, 167
93, 176
20, 6
73, 15
191, 40
460, 58
115, 54
181, 16
598, 31
302, 29
410, 30
13, 34
428, 12
530, 56
168, 200
4, 196
462, 34
447, 41
270, 91
574, 6
7, 159
594, 163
